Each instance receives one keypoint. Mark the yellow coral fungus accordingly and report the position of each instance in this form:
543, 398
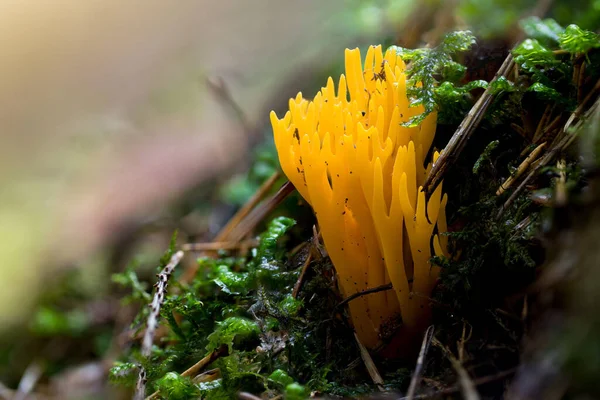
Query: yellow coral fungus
361, 170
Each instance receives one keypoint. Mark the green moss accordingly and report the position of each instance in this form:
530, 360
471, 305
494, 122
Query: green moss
425, 63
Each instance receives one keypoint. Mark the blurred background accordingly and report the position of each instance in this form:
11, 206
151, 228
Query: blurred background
123, 121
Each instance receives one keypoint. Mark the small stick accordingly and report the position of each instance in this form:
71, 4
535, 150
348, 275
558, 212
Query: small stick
464, 339
29, 379
259, 213
157, 300
298, 284
247, 396
365, 292
140, 386
247, 208
456, 388
522, 168
561, 181
464, 131
580, 82
152, 322
225, 234
199, 366
208, 246
416, 378
560, 145
466, 384
371, 367
540, 128
203, 363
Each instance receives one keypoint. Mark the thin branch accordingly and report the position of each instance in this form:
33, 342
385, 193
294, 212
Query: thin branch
258, 214
466, 384
464, 131
365, 292
199, 366
209, 359
225, 234
152, 322
29, 379
456, 388
140, 386
300, 281
521, 169
247, 396
564, 142
214, 246
369, 364
416, 378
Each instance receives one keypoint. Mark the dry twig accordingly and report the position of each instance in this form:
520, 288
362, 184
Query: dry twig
456, 388
214, 246
371, 367
522, 168
365, 292
416, 378
225, 234
464, 131
561, 142
195, 369
152, 322
466, 384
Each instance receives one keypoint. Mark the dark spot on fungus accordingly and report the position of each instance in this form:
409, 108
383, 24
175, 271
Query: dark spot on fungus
296, 135
363, 113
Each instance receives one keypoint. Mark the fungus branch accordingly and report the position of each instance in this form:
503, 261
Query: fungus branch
360, 160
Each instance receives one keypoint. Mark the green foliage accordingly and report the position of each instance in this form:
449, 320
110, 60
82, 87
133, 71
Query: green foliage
49, 321
550, 75
267, 248
295, 391
453, 100
425, 63
576, 40
123, 374
281, 377
232, 282
502, 85
240, 305
129, 279
169, 253
546, 31
290, 306
233, 329
485, 156
177, 387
